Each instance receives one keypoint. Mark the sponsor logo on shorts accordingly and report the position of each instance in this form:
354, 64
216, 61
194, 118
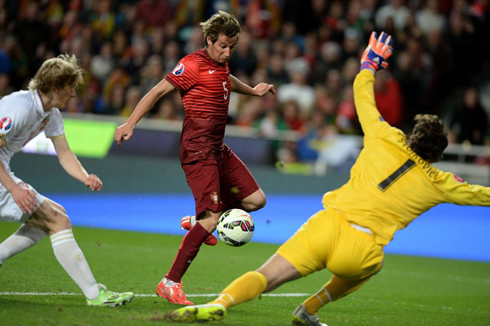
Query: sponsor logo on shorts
5, 124
214, 197
178, 70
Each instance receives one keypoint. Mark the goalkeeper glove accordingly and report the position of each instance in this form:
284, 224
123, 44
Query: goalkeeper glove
378, 50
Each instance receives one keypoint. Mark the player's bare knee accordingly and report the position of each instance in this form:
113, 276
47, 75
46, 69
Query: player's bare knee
255, 205
209, 220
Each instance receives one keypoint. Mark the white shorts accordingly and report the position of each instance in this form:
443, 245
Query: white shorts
9, 210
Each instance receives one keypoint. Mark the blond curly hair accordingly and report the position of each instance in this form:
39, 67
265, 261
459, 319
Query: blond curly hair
57, 73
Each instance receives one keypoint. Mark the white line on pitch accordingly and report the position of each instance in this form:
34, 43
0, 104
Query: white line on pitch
147, 295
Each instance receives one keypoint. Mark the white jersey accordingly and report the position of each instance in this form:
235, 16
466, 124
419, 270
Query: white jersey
22, 119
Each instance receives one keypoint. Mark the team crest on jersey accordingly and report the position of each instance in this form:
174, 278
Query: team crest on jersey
178, 70
214, 197
458, 178
5, 124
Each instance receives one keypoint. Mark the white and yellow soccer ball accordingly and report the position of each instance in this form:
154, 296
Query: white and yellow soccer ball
235, 227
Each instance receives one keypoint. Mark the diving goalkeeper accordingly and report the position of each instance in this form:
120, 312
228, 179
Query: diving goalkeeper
391, 184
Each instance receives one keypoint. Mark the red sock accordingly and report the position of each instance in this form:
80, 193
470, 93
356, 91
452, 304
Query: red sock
187, 252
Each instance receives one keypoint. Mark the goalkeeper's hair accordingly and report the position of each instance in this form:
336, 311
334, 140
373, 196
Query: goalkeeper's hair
429, 137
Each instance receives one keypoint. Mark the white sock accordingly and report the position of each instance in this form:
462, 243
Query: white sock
71, 257
24, 238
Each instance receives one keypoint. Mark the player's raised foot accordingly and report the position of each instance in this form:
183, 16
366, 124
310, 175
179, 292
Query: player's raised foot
211, 240
188, 221
199, 314
108, 298
172, 291
301, 317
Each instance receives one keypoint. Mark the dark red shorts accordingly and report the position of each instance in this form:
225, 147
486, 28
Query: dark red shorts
220, 184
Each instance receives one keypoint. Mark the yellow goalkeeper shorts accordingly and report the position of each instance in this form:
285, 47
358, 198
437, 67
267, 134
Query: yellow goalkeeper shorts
327, 240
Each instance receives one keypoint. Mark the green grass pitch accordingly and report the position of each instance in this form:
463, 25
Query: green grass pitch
408, 291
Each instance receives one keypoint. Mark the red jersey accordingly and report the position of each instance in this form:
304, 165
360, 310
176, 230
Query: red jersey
205, 89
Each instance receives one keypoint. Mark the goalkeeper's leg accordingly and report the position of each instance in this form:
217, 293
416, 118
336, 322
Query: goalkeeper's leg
335, 289
272, 274
249, 286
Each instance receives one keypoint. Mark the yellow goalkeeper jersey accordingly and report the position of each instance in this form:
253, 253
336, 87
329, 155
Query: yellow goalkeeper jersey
389, 184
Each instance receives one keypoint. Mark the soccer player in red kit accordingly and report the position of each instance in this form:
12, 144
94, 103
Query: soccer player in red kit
217, 177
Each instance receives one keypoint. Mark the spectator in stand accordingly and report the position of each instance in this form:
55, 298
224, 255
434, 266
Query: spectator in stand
325, 103
346, 120
276, 70
350, 46
470, 122
155, 13
441, 81
430, 18
298, 89
309, 143
103, 20
334, 84
141, 51
336, 20
349, 71
292, 115
243, 59
394, 9
263, 18
171, 55
463, 43
116, 101
32, 32
71, 26
330, 58
151, 73
166, 110
103, 63
422, 66
120, 48
5, 87
289, 34
410, 84
157, 40
389, 98
133, 96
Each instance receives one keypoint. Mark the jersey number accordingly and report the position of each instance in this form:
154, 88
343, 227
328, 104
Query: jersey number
386, 183
226, 90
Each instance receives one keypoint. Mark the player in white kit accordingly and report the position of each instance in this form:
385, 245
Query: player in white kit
24, 115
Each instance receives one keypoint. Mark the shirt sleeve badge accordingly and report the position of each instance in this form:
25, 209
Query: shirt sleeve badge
178, 70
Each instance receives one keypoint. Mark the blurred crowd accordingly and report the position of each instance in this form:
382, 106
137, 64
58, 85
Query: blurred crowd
309, 49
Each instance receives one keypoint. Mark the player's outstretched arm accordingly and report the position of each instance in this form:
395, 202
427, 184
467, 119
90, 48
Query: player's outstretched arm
125, 131
261, 89
377, 52
372, 60
72, 165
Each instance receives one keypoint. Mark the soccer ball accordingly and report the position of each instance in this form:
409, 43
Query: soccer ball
235, 227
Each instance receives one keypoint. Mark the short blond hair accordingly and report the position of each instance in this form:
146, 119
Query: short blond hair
220, 23
57, 73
